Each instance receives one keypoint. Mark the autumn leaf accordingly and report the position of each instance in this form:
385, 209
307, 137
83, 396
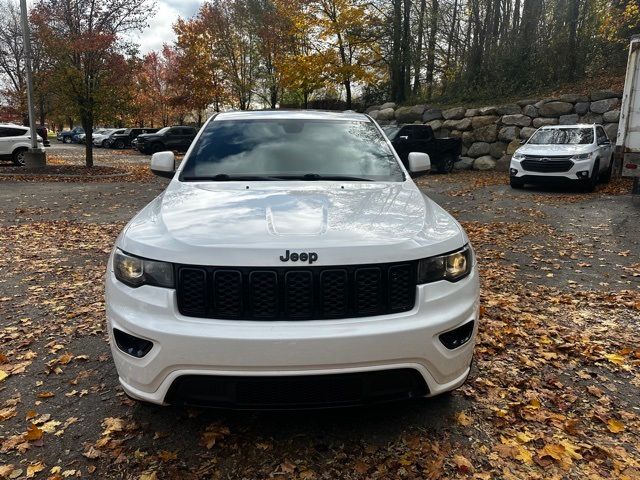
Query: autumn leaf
34, 468
463, 419
212, 434
3, 375
462, 464
615, 358
33, 433
615, 426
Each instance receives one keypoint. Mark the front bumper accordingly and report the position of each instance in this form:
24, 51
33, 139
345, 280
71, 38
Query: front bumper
571, 174
185, 346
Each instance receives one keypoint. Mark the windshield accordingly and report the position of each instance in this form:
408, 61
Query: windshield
163, 130
292, 148
390, 131
562, 136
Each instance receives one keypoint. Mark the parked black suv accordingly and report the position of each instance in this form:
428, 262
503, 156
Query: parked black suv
168, 138
444, 152
123, 140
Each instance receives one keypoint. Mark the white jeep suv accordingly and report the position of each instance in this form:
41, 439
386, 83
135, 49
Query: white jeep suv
15, 140
291, 263
563, 152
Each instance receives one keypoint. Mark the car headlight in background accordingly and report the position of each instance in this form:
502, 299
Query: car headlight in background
582, 156
518, 156
135, 271
452, 266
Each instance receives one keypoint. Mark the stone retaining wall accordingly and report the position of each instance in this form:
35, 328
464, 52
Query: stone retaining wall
491, 134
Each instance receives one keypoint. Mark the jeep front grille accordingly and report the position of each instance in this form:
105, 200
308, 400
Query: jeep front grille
302, 293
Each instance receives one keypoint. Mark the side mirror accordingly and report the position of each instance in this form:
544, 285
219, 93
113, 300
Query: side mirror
163, 164
419, 162
522, 142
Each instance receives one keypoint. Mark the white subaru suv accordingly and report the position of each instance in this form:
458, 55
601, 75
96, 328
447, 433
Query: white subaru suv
291, 263
563, 152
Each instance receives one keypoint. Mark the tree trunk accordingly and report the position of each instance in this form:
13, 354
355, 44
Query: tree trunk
418, 55
406, 50
87, 124
396, 59
431, 49
347, 89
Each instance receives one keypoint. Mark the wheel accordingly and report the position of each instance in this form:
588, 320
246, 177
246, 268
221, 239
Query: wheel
592, 181
66, 140
516, 183
18, 157
447, 164
119, 144
103, 144
605, 177
156, 147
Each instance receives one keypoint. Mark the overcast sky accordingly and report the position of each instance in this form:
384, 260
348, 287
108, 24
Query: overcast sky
160, 31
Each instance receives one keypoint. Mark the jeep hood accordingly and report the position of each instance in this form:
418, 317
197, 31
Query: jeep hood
254, 223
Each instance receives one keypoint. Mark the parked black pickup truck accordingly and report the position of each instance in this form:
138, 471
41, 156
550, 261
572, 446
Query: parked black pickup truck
176, 138
444, 152
123, 140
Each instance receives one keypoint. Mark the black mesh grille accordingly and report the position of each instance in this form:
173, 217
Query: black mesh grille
193, 294
248, 293
264, 294
368, 290
547, 164
298, 293
227, 287
400, 286
333, 292
308, 391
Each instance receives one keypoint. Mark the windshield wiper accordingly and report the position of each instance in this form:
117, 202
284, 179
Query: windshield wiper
317, 176
224, 177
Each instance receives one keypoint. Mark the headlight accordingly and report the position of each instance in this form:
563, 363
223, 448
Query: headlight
582, 156
135, 271
453, 266
518, 156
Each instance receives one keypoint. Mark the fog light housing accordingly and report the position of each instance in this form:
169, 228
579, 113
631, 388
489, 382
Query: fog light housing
583, 174
513, 172
134, 346
458, 336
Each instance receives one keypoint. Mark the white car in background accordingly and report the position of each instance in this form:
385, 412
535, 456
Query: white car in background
99, 139
15, 140
291, 262
581, 153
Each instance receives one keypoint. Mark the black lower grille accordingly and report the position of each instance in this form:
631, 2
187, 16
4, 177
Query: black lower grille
308, 391
547, 164
295, 293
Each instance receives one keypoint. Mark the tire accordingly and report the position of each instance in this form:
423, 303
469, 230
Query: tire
66, 140
515, 183
606, 176
156, 147
103, 144
18, 157
592, 181
119, 144
447, 164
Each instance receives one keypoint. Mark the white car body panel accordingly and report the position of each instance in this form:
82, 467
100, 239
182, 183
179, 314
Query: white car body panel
251, 224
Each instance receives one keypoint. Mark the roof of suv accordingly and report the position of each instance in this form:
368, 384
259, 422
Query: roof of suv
576, 125
292, 114
13, 125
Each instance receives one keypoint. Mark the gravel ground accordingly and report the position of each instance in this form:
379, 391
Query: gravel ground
554, 391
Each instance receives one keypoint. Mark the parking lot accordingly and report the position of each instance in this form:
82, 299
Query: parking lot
553, 393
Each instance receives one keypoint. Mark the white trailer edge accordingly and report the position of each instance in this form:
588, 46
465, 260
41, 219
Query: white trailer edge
628, 141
